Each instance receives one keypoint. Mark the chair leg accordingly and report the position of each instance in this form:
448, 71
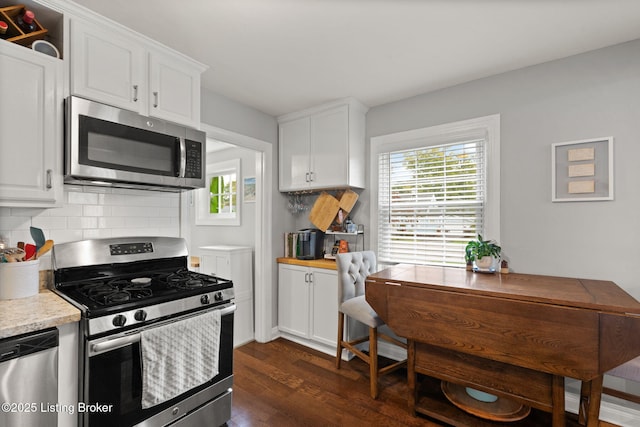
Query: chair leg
373, 361
340, 338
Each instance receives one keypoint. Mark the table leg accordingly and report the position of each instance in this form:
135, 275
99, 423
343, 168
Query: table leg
590, 397
411, 376
557, 399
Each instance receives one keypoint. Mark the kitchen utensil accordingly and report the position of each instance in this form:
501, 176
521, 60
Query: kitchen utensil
30, 252
13, 254
45, 248
38, 237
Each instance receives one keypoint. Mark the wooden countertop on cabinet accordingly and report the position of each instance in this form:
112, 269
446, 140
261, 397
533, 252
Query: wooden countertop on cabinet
329, 264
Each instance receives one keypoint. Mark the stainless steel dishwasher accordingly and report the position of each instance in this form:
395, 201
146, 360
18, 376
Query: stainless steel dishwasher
29, 379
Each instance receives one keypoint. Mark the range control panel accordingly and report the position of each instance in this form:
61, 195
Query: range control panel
131, 248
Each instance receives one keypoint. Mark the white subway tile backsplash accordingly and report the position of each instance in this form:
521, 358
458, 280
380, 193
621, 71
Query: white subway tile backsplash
76, 198
82, 222
111, 222
65, 235
97, 212
9, 223
67, 210
50, 222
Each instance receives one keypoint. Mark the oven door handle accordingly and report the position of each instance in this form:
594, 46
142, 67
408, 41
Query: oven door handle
228, 309
113, 344
103, 347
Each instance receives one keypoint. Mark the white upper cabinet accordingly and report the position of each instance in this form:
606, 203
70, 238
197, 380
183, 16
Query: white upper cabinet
107, 67
110, 65
30, 128
323, 147
174, 93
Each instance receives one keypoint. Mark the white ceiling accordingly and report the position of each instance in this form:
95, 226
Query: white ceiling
280, 56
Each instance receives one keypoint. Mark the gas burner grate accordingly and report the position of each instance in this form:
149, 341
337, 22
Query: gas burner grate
185, 279
117, 291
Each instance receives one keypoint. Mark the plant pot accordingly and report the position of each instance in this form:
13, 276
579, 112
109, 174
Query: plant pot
486, 264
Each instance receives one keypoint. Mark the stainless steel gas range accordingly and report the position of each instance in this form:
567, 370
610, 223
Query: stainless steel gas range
156, 339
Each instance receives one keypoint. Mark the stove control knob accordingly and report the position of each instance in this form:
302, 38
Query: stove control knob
140, 315
119, 320
218, 296
204, 299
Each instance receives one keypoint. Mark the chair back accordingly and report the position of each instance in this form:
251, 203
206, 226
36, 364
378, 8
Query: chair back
353, 269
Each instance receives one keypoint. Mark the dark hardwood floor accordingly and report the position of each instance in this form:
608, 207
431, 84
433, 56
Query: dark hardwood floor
284, 384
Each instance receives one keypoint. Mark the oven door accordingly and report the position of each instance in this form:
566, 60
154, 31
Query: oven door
113, 381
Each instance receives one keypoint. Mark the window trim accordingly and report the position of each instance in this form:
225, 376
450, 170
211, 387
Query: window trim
203, 216
487, 127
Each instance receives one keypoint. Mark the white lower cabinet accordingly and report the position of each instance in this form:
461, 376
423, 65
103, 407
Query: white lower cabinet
235, 263
308, 306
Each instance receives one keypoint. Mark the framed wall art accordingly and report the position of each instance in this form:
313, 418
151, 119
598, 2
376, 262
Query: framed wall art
582, 170
249, 186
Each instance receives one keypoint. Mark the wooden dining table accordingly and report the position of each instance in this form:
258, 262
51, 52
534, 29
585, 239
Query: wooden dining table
516, 336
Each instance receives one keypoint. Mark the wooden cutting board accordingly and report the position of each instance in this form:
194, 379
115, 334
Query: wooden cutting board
324, 210
348, 200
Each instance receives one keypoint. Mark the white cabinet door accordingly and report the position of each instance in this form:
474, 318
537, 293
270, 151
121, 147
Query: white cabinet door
235, 263
216, 264
294, 140
293, 300
111, 66
107, 67
174, 93
324, 325
30, 128
323, 147
329, 153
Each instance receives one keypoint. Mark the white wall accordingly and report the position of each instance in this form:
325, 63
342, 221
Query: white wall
245, 233
221, 112
590, 95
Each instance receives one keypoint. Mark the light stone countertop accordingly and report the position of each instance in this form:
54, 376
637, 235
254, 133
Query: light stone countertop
41, 311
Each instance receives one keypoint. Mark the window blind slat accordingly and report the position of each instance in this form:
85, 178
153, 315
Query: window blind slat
431, 202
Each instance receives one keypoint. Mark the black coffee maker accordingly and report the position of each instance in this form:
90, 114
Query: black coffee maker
310, 244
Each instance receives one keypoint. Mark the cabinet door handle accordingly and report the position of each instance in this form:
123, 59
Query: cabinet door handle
312, 176
310, 277
49, 179
155, 99
135, 93
306, 177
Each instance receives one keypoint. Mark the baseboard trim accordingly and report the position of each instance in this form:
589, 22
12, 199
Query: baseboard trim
610, 412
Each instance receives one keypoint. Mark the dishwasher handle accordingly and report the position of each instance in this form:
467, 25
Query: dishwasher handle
22, 345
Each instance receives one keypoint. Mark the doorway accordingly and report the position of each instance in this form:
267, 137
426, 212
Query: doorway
263, 257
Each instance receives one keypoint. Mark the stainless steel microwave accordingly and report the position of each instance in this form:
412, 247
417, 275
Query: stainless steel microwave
109, 146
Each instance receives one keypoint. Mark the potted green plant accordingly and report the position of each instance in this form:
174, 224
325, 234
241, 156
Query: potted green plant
482, 254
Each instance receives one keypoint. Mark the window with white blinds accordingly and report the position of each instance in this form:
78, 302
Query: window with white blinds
432, 198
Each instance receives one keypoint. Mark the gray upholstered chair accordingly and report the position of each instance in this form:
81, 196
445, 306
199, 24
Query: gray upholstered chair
353, 268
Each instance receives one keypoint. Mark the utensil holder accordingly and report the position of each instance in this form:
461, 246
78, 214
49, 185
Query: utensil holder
19, 279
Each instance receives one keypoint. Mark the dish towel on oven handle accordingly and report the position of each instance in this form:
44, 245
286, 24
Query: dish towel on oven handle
179, 356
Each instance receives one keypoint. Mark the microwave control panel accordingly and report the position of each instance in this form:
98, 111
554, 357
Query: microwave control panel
193, 168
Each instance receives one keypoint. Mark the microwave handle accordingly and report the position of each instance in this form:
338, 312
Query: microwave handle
181, 158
